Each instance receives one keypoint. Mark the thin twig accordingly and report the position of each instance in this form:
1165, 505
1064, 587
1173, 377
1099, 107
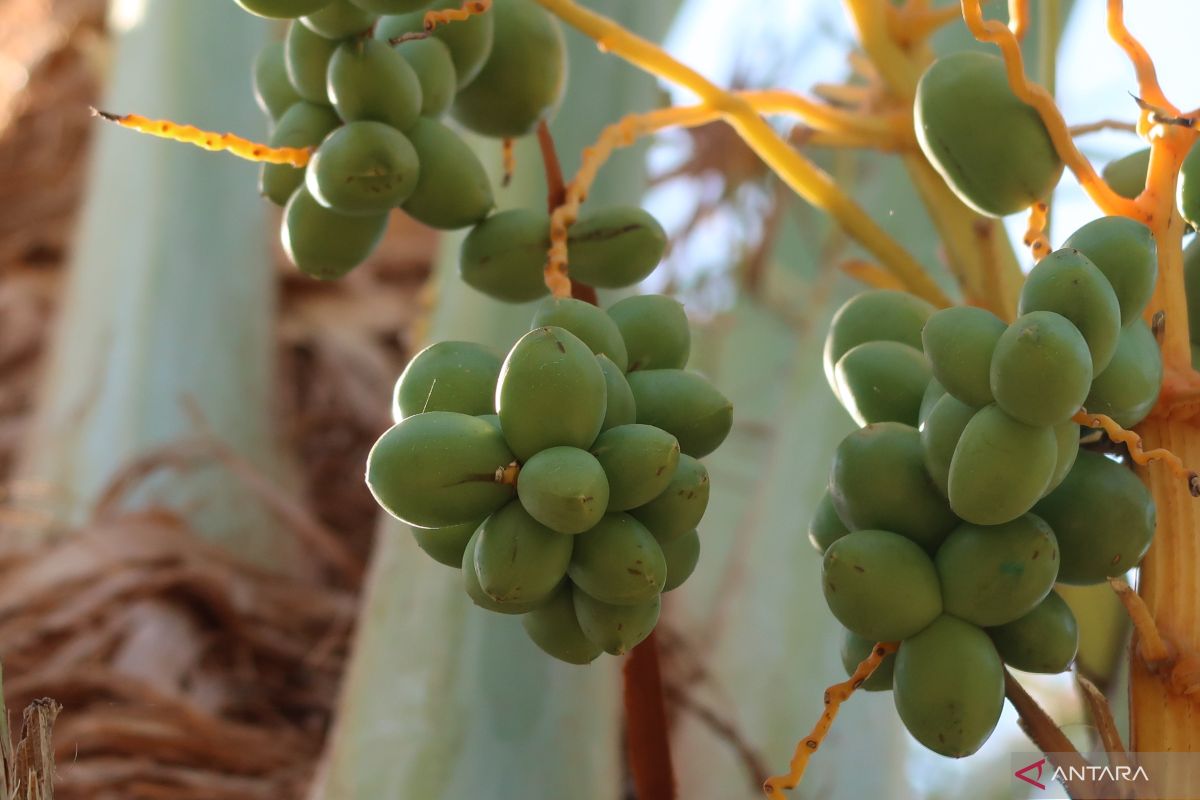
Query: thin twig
1154, 649
1043, 731
725, 730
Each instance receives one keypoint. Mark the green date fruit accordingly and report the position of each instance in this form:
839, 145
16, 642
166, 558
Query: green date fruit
469, 41
991, 575
949, 687
685, 405
940, 435
1000, 467
679, 508
1103, 518
272, 89
1066, 437
1041, 369
523, 80
621, 408
878, 480
564, 488
363, 168
992, 149
518, 559
302, 125
825, 527
880, 585
855, 649
281, 9
1068, 283
595, 328
368, 80
639, 461
1127, 174
554, 628
446, 545
618, 562
615, 247
1045, 640
475, 591
338, 20
306, 57
655, 330
438, 469
959, 342
323, 243
1124, 250
448, 376
453, 190
391, 6
503, 255
615, 629
882, 382
550, 393
433, 65
879, 315
681, 554
1128, 388
933, 392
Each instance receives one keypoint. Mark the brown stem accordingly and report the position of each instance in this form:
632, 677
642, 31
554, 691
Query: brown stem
556, 195
1043, 731
647, 737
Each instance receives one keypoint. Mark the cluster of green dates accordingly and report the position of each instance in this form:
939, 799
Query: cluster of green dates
965, 496
565, 479
374, 114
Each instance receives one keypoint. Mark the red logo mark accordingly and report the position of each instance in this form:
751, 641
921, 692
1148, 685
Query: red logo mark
1035, 765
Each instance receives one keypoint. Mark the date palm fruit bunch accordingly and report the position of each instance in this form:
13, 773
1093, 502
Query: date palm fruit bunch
375, 114
564, 479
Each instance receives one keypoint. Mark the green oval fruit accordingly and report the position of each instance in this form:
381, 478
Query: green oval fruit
448, 376
1127, 174
880, 585
655, 330
878, 480
1128, 389
1041, 370
504, 254
434, 67
993, 575
949, 687
272, 89
554, 628
855, 650
879, 315
1068, 283
518, 559
550, 393
940, 435
323, 243
306, 57
281, 9
1044, 640
453, 189
338, 20
469, 41
618, 561
595, 328
615, 247
1188, 194
392, 6
933, 392
490, 419
882, 382
368, 80
959, 342
685, 405
621, 408
825, 527
1066, 438
564, 488
446, 545
438, 469
1103, 518
523, 79
639, 460
1124, 250
615, 629
1000, 467
475, 591
681, 506
302, 125
363, 168
992, 149
682, 554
